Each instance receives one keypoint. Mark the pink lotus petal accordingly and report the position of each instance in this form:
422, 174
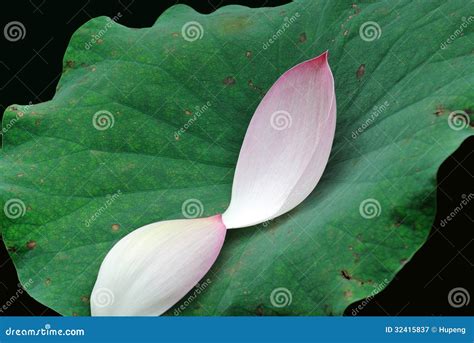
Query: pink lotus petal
152, 268
287, 145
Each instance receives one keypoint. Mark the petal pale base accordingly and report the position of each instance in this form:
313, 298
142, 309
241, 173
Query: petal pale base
153, 267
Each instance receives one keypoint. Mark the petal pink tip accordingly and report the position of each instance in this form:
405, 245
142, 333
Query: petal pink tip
319, 60
287, 145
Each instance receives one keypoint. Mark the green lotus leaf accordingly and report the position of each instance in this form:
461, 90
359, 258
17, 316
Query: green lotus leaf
145, 121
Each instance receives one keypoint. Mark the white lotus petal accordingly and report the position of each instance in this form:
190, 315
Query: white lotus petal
286, 147
153, 267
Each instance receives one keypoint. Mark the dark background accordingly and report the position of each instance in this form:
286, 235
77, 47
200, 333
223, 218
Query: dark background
29, 72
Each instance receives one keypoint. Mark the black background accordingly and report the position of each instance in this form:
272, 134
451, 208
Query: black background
30, 70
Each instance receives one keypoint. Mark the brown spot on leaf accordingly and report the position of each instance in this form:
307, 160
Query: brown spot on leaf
346, 33
31, 245
85, 299
37, 122
356, 9
20, 174
345, 274
229, 81
188, 112
248, 54
70, 64
302, 37
440, 110
259, 310
348, 293
253, 86
47, 282
115, 227
360, 71
175, 34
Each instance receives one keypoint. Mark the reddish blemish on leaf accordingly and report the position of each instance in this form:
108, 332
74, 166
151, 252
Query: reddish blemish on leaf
440, 110
302, 37
345, 274
360, 71
229, 81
